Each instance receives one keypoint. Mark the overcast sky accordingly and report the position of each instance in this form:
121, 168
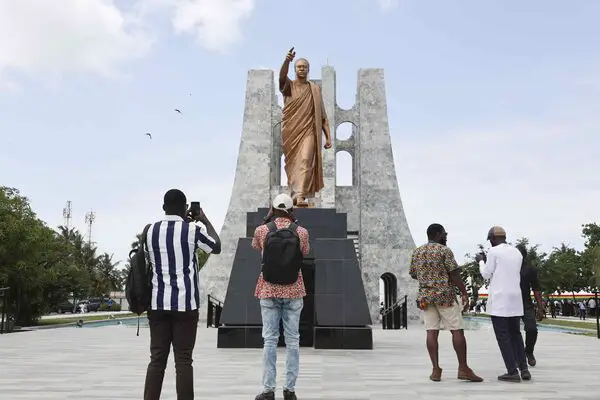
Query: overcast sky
494, 106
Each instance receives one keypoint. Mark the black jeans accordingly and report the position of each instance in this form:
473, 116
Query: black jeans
179, 329
510, 341
531, 331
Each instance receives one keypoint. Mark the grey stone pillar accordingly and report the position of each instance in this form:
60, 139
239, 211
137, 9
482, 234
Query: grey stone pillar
386, 243
252, 182
328, 91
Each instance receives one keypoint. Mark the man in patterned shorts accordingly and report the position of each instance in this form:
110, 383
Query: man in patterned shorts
435, 267
280, 302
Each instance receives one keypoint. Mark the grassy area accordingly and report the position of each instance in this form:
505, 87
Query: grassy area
75, 318
571, 324
590, 334
553, 322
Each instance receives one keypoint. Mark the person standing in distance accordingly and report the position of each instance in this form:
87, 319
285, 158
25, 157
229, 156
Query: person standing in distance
281, 299
502, 267
173, 315
435, 267
530, 282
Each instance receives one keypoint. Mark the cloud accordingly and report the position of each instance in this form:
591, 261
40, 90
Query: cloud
215, 23
48, 39
388, 4
538, 181
39, 37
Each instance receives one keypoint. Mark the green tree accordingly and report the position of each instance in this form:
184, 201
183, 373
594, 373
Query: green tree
106, 277
593, 258
43, 267
564, 270
591, 255
470, 274
591, 233
31, 259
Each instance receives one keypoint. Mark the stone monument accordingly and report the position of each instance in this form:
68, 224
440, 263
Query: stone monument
375, 216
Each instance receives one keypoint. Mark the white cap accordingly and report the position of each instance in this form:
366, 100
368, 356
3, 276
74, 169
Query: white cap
283, 202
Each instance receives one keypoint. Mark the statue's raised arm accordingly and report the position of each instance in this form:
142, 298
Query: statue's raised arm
284, 81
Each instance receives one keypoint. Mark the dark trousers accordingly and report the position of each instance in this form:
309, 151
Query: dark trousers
179, 329
531, 331
510, 341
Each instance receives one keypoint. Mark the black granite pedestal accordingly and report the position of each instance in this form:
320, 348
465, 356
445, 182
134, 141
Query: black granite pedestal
335, 314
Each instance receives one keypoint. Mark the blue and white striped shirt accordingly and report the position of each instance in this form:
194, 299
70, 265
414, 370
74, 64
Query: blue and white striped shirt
172, 245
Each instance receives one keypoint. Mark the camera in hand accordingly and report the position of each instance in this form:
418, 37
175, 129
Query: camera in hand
194, 209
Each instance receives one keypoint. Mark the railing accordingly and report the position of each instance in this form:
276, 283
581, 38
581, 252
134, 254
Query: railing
396, 315
4, 321
213, 314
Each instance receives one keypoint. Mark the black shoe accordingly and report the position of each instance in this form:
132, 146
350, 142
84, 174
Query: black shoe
287, 395
525, 375
265, 396
510, 378
531, 360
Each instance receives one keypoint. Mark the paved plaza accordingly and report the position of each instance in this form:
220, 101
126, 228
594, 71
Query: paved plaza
110, 363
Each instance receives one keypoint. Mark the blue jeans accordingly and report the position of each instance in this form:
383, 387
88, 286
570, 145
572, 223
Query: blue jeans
273, 310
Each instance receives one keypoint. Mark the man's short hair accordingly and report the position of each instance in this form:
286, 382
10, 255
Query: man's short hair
433, 230
175, 198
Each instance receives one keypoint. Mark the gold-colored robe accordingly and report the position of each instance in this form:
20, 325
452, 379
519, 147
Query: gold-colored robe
302, 125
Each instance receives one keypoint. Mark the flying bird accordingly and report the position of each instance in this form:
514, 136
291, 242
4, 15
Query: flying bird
178, 110
149, 135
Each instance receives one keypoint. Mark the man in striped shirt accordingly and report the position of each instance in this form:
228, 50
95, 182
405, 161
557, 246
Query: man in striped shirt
280, 303
173, 316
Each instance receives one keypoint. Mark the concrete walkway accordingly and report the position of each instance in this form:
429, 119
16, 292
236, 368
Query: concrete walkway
110, 362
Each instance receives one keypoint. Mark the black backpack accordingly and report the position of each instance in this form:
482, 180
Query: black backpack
138, 285
282, 257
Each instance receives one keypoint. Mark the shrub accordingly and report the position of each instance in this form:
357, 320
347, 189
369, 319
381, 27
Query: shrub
113, 307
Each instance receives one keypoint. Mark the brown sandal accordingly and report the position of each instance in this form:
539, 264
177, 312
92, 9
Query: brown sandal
469, 375
436, 375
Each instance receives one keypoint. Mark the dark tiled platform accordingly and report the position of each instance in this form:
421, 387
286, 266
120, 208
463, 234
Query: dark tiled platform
335, 314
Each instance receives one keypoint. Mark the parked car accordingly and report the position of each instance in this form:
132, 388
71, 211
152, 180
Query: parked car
93, 304
65, 307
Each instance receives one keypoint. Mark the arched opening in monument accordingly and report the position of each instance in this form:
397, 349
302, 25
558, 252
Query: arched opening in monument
344, 131
343, 168
388, 290
283, 180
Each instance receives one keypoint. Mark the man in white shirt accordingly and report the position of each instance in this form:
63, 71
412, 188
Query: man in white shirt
502, 267
592, 305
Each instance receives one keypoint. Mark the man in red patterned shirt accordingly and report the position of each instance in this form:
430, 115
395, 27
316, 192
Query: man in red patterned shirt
279, 302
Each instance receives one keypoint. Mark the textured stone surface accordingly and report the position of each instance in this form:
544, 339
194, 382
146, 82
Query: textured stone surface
386, 243
251, 184
110, 363
327, 195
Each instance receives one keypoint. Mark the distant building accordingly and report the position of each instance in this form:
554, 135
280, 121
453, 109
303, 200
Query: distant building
120, 298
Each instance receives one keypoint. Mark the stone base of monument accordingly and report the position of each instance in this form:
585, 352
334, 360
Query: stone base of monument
335, 314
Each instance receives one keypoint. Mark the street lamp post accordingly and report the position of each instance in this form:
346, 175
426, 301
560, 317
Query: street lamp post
597, 310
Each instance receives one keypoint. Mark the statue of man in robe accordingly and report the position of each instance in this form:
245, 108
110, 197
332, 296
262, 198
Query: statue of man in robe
304, 122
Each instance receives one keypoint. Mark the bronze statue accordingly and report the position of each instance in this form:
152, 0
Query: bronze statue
304, 118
